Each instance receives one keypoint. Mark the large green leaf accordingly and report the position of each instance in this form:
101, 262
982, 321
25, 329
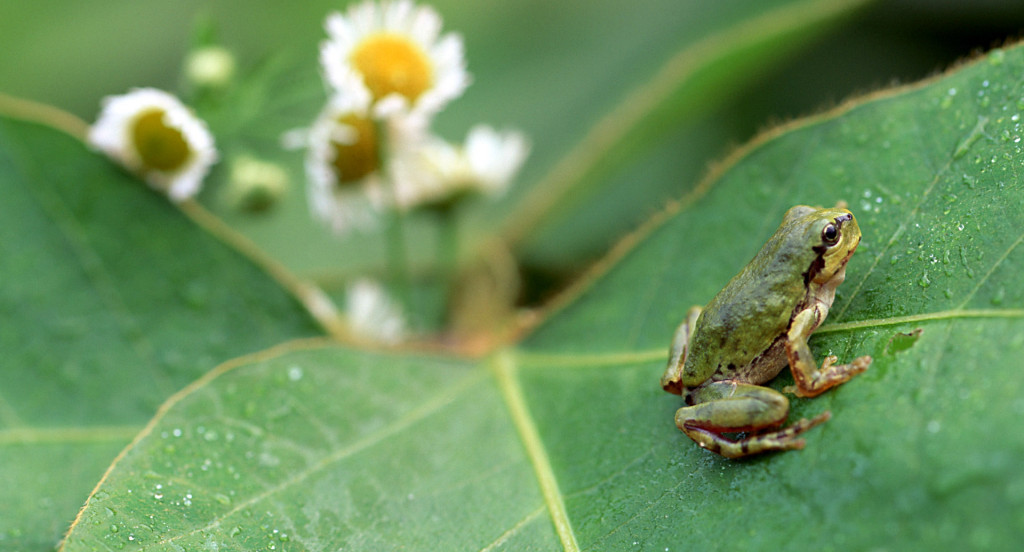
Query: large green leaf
566, 440
111, 300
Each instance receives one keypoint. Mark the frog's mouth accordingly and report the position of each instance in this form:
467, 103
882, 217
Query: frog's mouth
852, 249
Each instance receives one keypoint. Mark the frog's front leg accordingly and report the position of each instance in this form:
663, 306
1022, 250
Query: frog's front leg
731, 407
810, 381
671, 381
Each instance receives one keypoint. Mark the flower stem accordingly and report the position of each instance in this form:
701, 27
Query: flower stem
397, 252
398, 263
448, 253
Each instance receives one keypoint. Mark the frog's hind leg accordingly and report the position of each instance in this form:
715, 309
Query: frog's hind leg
733, 407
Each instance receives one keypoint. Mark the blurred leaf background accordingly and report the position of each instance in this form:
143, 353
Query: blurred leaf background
551, 69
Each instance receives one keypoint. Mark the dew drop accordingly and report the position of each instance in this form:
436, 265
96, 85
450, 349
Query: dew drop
1000, 295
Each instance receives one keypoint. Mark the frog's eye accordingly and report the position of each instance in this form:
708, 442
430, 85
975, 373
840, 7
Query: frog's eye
830, 234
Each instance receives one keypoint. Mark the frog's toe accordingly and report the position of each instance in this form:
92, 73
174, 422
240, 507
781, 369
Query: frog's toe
806, 424
860, 364
777, 440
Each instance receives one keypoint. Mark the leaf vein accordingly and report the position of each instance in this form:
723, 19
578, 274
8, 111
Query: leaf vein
506, 372
570, 360
440, 401
511, 532
63, 435
992, 269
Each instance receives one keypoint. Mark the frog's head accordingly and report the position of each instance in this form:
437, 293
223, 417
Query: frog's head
834, 235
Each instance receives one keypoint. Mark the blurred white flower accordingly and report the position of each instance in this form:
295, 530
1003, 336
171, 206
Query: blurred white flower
438, 172
151, 133
343, 165
373, 314
393, 53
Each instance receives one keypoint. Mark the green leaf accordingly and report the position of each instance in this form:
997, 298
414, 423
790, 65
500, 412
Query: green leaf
565, 439
111, 300
650, 138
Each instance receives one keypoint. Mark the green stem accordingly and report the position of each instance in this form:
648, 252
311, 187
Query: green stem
397, 252
448, 253
398, 261
448, 248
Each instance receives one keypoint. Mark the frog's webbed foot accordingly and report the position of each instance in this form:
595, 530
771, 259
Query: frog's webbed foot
733, 407
810, 380
829, 376
671, 381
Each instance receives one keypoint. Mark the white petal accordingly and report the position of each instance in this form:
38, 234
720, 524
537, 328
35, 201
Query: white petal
372, 313
422, 26
112, 134
341, 208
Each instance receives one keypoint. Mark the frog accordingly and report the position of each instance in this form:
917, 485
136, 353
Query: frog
753, 328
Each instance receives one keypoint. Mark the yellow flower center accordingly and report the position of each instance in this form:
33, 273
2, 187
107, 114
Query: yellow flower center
354, 161
160, 147
391, 63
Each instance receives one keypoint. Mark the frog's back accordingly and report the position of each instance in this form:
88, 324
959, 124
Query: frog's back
750, 314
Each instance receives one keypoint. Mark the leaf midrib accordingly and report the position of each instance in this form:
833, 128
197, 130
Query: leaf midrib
26, 435
614, 358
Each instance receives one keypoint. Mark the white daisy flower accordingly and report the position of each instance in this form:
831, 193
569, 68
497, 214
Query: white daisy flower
151, 133
439, 172
373, 314
344, 165
392, 51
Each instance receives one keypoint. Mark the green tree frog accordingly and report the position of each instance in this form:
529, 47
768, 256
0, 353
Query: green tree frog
757, 324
